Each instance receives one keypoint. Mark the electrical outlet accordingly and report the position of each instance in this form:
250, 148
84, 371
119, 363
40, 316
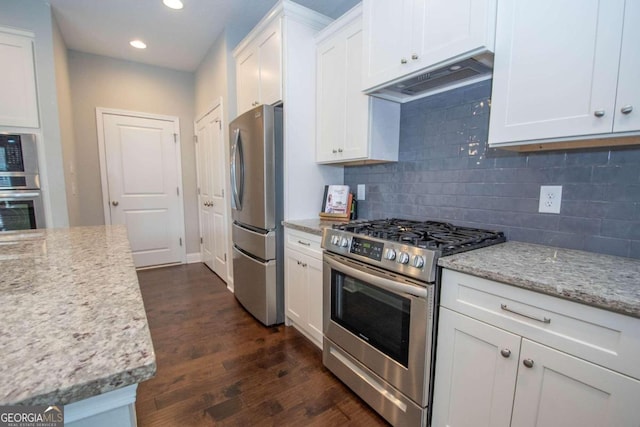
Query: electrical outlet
550, 198
360, 192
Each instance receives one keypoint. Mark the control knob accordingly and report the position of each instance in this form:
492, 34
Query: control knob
418, 261
335, 240
403, 258
344, 242
390, 254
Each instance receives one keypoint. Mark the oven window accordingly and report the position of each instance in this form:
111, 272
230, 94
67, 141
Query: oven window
17, 215
379, 317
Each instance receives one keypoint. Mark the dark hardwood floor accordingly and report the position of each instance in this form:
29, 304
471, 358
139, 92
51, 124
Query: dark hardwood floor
218, 366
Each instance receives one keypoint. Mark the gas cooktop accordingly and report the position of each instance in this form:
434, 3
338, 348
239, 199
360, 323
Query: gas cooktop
405, 246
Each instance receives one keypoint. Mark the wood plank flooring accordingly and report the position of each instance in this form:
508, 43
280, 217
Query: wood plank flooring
217, 365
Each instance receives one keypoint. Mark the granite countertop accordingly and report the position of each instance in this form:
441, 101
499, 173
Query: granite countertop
313, 226
73, 321
603, 281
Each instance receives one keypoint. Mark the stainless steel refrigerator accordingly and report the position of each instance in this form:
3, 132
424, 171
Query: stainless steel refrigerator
257, 212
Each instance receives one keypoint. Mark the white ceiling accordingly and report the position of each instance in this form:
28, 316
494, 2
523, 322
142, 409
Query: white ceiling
177, 39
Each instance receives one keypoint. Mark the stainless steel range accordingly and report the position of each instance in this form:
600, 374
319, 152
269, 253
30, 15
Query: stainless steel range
380, 289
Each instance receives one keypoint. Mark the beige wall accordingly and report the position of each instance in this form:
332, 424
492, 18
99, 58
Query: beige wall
66, 124
98, 81
35, 16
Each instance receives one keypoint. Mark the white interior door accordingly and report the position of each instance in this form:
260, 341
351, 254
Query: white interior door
211, 183
142, 162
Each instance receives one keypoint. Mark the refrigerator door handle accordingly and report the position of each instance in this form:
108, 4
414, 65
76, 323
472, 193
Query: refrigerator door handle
234, 176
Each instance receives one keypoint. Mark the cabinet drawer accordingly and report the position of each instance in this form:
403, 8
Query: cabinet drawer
602, 337
304, 242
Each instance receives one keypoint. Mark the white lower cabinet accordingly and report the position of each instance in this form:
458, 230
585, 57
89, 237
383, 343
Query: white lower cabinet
303, 284
499, 376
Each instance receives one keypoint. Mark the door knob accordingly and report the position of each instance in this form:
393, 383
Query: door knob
528, 363
403, 61
505, 352
115, 203
414, 56
598, 113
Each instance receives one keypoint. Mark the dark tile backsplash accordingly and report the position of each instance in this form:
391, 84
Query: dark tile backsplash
447, 172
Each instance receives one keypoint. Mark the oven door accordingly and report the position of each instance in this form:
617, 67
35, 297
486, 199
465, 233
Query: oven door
21, 210
382, 320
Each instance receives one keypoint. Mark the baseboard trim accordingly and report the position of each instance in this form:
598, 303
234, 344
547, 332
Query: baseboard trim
194, 257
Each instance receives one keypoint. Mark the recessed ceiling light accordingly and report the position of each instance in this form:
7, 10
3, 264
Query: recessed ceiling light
173, 4
138, 44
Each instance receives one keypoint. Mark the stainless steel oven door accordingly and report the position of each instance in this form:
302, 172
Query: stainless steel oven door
382, 320
21, 210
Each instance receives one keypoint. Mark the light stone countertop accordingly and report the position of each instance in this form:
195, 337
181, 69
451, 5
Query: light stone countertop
312, 226
73, 321
608, 282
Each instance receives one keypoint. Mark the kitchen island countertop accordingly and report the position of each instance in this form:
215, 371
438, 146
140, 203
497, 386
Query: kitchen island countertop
603, 281
73, 320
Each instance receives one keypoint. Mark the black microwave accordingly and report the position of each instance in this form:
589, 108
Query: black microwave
18, 162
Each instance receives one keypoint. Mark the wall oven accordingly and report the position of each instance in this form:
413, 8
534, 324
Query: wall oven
21, 206
380, 296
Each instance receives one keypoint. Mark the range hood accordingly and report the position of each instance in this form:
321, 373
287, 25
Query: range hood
439, 79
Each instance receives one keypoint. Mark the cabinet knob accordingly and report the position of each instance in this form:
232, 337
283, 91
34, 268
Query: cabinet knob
414, 56
598, 113
403, 61
340, 150
505, 352
626, 109
334, 151
115, 203
528, 363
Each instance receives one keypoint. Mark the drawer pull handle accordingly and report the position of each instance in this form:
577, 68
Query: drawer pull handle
304, 243
505, 352
543, 320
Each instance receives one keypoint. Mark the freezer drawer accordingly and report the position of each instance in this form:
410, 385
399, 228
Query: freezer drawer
261, 245
256, 287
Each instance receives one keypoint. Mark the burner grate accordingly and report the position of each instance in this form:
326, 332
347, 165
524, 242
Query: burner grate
435, 235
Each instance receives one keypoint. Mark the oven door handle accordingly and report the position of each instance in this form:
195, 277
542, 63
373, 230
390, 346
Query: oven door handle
16, 195
388, 284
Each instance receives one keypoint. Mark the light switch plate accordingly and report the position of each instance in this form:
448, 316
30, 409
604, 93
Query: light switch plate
550, 199
360, 192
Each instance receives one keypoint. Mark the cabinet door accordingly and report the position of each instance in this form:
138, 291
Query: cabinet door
331, 89
627, 112
18, 100
270, 52
295, 286
476, 373
248, 80
446, 29
314, 295
562, 390
342, 115
387, 29
555, 71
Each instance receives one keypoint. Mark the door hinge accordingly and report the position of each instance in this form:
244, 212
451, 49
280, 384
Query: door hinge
178, 191
201, 240
198, 191
195, 138
175, 137
180, 241
223, 192
225, 257
220, 124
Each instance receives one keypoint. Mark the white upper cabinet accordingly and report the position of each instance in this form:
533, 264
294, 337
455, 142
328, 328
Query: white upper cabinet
346, 131
406, 37
259, 69
565, 70
627, 110
18, 99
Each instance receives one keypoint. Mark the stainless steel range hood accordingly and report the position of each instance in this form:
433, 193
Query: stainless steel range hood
440, 79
